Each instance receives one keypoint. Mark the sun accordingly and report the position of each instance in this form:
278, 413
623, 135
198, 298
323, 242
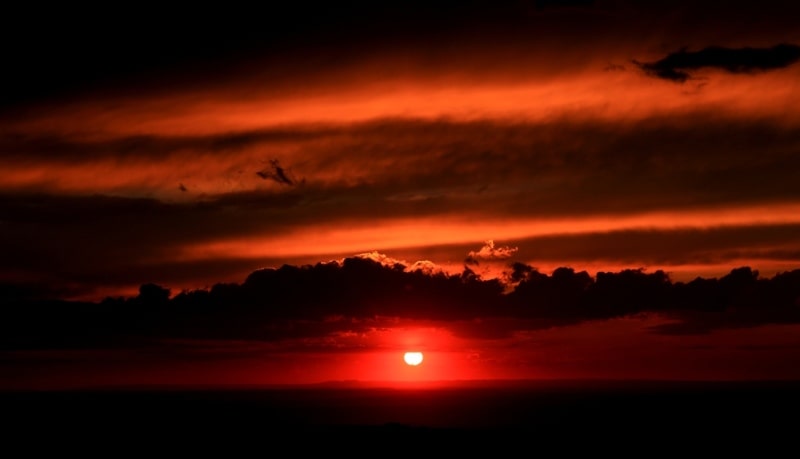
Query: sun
413, 358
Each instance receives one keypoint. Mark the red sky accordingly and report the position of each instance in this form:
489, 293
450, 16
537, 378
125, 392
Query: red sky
601, 136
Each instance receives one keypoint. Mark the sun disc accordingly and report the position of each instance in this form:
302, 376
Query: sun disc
413, 358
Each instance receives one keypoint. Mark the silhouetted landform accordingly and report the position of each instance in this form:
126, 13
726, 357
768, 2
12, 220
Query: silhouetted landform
311, 301
678, 66
618, 416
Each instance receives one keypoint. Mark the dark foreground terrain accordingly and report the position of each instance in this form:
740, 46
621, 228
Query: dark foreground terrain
647, 417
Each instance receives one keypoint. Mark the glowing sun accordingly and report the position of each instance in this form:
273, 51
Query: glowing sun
413, 358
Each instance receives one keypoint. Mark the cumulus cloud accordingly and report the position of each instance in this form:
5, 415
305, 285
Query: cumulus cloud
490, 253
382, 259
423, 266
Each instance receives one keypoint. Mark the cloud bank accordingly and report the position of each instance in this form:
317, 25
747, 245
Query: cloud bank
359, 294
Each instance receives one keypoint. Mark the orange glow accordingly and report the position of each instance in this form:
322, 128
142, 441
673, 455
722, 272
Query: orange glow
359, 237
619, 96
606, 349
439, 366
309, 205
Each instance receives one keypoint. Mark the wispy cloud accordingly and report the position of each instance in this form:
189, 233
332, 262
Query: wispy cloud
279, 174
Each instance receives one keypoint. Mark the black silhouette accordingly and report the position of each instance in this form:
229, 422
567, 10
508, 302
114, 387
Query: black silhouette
278, 174
678, 65
299, 301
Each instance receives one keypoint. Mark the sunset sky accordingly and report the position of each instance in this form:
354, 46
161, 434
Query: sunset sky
189, 149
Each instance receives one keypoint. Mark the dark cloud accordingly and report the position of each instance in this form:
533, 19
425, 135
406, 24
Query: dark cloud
20, 291
678, 66
325, 299
279, 174
737, 300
